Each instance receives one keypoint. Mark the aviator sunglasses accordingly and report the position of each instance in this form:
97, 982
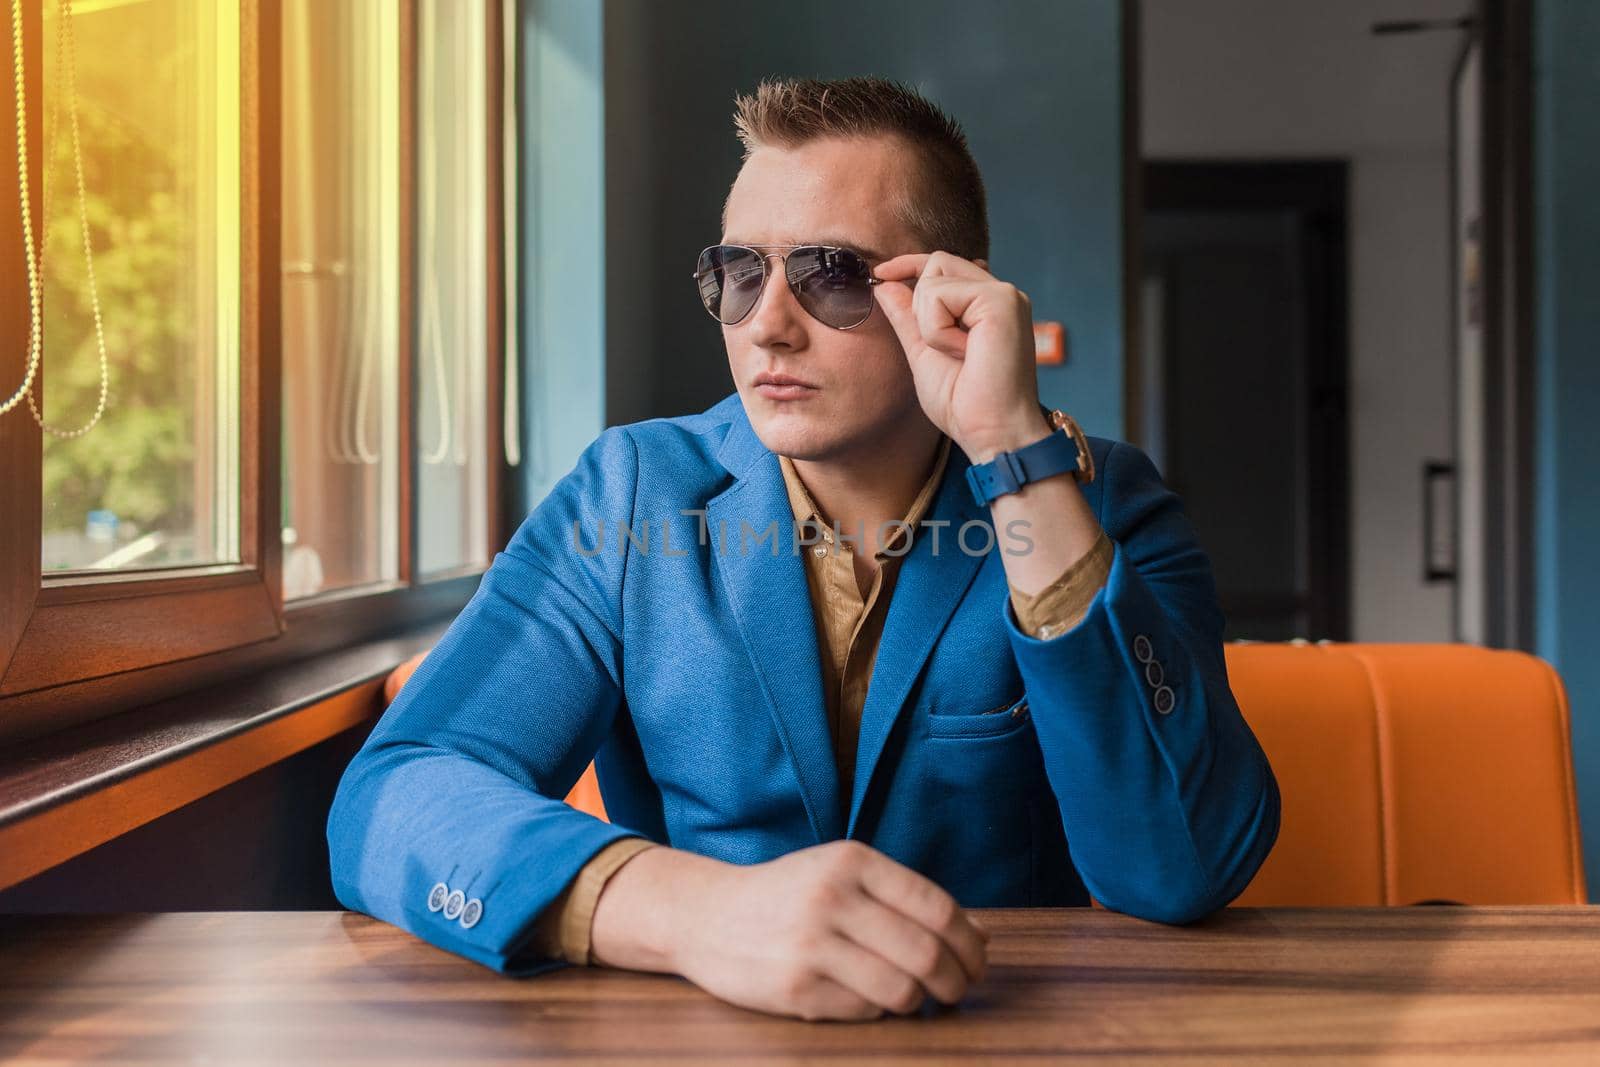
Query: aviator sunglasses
833, 284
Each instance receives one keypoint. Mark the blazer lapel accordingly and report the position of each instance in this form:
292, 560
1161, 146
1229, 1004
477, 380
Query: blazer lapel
929, 587
772, 608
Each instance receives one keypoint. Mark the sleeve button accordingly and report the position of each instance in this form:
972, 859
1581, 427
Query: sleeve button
1164, 699
1142, 650
437, 895
471, 913
1153, 673
454, 903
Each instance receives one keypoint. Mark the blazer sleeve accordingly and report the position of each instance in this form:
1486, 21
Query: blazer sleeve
1168, 802
459, 788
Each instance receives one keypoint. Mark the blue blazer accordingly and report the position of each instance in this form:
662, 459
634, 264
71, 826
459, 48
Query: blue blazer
686, 666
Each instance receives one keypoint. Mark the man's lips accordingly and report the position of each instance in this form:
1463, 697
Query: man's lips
783, 387
773, 391
782, 379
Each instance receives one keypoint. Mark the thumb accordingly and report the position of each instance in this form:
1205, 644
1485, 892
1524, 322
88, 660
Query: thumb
895, 299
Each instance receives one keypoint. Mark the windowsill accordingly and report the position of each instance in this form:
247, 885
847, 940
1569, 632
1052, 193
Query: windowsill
65, 793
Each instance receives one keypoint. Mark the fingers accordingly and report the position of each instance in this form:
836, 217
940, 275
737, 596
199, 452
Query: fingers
875, 979
909, 947
827, 997
933, 300
928, 265
926, 904
940, 305
895, 299
918, 322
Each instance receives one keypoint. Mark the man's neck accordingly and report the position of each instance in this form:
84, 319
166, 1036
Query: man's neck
874, 483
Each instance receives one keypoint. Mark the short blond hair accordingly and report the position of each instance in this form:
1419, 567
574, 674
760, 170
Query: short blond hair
947, 208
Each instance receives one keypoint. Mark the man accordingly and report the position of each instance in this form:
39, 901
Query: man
701, 604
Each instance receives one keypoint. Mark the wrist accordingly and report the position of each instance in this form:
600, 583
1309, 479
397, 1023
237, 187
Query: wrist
1019, 432
645, 918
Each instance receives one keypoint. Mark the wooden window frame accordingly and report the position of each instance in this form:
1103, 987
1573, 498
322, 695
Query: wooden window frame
84, 647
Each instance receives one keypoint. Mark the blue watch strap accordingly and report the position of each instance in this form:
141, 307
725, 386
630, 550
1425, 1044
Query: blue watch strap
1010, 471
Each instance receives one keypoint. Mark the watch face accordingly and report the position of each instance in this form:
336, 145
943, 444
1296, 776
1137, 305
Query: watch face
1065, 423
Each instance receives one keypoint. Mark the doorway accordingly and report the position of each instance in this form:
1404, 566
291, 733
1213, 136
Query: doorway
1243, 381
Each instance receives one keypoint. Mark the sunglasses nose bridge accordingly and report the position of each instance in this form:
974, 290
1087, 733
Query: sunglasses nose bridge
782, 275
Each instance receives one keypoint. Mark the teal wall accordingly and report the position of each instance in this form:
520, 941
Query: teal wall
1567, 265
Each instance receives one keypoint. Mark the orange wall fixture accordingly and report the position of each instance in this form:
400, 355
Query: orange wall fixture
1410, 773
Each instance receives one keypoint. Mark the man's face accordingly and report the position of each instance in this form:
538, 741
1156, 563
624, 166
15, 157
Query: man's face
830, 191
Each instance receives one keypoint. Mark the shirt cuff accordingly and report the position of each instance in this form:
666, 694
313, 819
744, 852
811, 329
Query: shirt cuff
563, 928
1062, 604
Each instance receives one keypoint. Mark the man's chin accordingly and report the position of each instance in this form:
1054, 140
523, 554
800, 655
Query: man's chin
799, 435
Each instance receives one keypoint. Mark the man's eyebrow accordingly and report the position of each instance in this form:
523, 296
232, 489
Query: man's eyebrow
825, 239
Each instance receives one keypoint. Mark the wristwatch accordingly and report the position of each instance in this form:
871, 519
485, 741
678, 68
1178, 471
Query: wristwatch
1064, 450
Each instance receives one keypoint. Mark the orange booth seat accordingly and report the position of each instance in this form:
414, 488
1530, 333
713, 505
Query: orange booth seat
1410, 773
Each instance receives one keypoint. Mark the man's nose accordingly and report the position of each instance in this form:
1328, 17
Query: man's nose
776, 318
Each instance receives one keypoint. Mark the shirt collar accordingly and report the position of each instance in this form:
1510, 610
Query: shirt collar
806, 509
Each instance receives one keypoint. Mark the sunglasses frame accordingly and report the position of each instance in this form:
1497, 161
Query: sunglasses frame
766, 275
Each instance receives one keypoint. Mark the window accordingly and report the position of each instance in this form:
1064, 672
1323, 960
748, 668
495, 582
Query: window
295, 263
452, 262
149, 158
341, 294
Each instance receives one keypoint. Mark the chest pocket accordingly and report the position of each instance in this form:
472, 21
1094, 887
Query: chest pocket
1001, 721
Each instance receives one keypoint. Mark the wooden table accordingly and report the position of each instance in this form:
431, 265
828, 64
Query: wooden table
1420, 984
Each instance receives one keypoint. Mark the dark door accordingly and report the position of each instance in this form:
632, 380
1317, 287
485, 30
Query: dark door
1241, 384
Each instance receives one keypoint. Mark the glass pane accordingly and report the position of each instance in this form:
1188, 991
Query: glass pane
452, 285
153, 88
341, 285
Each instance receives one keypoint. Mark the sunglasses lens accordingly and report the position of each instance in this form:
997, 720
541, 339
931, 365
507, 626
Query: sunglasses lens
730, 281
832, 284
